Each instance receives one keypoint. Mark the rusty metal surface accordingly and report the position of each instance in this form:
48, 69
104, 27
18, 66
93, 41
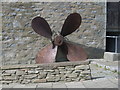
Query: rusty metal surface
75, 52
41, 27
72, 22
46, 55
60, 49
58, 40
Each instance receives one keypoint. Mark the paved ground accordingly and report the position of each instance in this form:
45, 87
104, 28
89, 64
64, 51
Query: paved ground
102, 78
97, 83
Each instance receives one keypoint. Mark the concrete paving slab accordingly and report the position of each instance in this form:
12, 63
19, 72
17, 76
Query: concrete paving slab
7, 89
90, 84
59, 88
18, 89
101, 72
43, 89
7, 86
24, 86
77, 89
75, 85
112, 65
59, 85
114, 80
44, 85
105, 83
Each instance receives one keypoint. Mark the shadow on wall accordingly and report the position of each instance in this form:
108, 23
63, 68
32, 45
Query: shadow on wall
92, 52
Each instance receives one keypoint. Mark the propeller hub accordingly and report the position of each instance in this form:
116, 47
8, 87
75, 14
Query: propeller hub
58, 40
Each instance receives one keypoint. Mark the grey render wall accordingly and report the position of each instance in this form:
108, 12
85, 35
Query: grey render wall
20, 43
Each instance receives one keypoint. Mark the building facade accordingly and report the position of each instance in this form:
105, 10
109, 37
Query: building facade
20, 43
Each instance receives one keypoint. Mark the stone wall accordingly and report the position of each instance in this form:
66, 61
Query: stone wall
21, 44
42, 73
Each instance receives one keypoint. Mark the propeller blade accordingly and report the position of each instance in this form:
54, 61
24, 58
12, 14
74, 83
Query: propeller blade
61, 55
41, 27
72, 22
47, 54
75, 52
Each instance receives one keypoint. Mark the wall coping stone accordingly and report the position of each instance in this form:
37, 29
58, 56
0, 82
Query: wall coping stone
45, 65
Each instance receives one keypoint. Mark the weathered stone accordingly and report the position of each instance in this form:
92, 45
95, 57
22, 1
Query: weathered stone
10, 77
68, 72
57, 78
49, 70
30, 76
75, 79
25, 81
61, 67
20, 72
82, 67
50, 79
10, 71
57, 72
62, 72
87, 77
110, 56
85, 72
40, 68
62, 78
42, 76
15, 81
6, 82
77, 71
33, 72
0, 78
68, 79
6, 74
50, 75
70, 69
72, 75
39, 80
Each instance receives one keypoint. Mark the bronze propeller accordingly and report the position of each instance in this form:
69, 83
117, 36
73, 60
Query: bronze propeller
60, 49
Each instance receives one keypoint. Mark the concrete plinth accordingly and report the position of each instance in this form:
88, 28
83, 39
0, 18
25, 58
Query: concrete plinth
111, 56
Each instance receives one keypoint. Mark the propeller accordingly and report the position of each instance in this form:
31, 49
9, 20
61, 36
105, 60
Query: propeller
60, 49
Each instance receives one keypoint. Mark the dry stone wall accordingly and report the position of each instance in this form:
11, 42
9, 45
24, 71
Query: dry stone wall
42, 73
20, 43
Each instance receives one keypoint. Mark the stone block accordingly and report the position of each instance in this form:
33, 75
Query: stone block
6, 74
63, 72
42, 76
72, 75
85, 72
77, 71
68, 72
39, 80
82, 67
50, 79
10, 77
111, 56
69, 69
30, 76
10, 71
61, 67
49, 70
6, 82
57, 78
20, 72
25, 81
33, 72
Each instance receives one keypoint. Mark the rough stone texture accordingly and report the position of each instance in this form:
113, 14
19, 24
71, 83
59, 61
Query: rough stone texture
111, 56
21, 44
57, 73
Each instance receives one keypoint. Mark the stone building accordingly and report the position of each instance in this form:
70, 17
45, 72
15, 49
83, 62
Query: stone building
20, 43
